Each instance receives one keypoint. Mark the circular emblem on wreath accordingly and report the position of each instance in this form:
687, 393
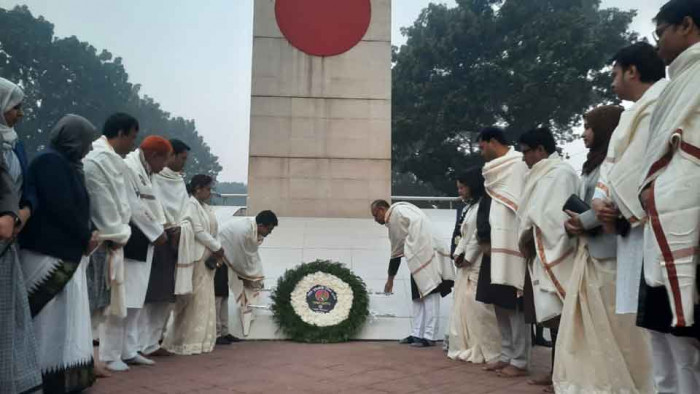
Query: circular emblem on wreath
322, 301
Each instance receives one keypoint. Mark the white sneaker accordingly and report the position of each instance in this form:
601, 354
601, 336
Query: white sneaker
117, 366
140, 360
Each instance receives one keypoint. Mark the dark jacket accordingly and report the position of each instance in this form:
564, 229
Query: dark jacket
60, 222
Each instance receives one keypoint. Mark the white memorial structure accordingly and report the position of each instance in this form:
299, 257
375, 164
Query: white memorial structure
320, 151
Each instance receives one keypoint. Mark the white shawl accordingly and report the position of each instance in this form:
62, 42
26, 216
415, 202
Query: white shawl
504, 178
171, 191
620, 173
10, 96
672, 171
468, 242
110, 212
198, 232
240, 240
411, 236
548, 185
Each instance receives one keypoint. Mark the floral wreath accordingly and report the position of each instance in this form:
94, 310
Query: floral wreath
320, 302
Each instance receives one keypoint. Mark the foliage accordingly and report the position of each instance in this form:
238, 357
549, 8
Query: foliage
517, 64
66, 75
298, 330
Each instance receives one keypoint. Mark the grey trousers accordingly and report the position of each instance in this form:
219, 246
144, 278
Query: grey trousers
676, 362
516, 341
221, 316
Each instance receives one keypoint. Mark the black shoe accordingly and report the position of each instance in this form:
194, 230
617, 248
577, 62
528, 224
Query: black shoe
408, 340
421, 342
222, 341
232, 339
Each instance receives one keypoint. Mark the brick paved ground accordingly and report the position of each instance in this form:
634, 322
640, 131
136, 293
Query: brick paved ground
356, 367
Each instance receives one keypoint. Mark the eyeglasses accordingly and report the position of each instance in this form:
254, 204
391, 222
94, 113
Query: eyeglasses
659, 32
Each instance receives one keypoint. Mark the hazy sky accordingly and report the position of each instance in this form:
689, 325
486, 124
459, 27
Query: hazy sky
194, 57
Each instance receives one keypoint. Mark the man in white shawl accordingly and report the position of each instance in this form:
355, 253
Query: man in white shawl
432, 274
504, 175
110, 214
171, 192
669, 193
543, 239
241, 239
147, 219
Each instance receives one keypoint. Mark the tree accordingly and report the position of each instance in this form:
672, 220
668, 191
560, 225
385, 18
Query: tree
517, 64
66, 75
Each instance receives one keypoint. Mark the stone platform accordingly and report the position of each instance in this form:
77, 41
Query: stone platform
355, 367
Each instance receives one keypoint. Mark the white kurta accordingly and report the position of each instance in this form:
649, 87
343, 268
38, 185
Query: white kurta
411, 236
548, 185
240, 240
147, 215
110, 212
504, 178
672, 172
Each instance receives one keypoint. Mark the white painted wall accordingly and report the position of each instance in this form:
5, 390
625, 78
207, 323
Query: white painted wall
360, 244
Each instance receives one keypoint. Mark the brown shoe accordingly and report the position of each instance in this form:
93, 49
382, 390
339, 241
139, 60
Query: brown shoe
497, 366
512, 372
160, 353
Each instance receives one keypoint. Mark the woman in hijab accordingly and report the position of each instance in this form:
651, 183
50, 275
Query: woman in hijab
55, 244
11, 147
19, 366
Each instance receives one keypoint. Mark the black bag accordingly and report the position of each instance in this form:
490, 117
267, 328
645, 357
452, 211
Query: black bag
576, 205
137, 246
212, 262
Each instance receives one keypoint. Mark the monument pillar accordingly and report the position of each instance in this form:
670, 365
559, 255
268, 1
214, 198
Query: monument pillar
320, 124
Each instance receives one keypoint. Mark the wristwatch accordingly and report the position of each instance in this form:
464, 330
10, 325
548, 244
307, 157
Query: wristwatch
18, 221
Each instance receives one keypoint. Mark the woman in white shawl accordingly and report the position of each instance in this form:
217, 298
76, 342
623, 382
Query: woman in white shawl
19, 365
597, 350
473, 331
194, 323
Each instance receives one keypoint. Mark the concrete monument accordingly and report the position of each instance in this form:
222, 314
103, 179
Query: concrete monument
320, 126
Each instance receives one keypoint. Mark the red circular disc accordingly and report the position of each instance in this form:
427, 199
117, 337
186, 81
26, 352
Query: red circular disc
323, 27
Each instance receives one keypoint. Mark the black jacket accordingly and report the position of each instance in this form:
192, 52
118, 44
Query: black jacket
60, 222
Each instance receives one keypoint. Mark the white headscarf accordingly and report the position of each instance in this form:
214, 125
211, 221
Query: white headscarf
10, 96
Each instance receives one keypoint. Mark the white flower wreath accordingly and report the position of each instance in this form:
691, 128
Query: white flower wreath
337, 314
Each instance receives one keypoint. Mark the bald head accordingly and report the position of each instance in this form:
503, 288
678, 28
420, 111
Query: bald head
379, 209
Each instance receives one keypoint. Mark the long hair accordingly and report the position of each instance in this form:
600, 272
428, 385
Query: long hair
602, 120
473, 179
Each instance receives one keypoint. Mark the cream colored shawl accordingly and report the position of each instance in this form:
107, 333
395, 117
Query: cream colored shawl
240, 240
620, 173
197, 219
548, 185
504, 178
672, 171
171, 192
411, 236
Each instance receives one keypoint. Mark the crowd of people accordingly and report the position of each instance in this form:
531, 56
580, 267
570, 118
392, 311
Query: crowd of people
101, 240
97, 237
606, 260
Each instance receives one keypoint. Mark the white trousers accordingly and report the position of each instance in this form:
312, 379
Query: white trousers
152, 322
676, 363
119, 338
221, 316
426, 317
516, 341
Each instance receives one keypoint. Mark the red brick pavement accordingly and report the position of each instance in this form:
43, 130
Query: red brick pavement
355, 367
